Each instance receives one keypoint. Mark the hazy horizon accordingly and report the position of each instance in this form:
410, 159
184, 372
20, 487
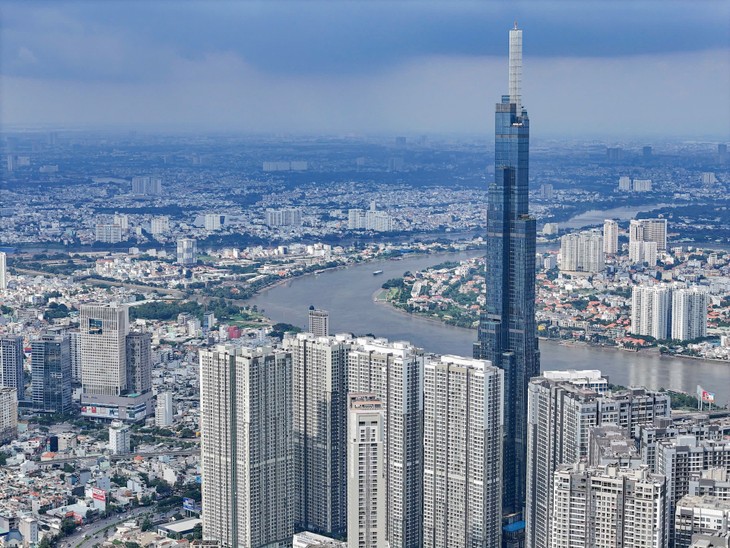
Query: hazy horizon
594, 70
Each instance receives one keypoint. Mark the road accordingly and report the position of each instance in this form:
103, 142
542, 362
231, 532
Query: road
180, 453
78, 540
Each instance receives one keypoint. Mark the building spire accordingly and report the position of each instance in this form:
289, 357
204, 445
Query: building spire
515, 67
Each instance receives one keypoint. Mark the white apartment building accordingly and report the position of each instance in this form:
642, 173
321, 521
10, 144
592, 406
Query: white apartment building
104, 329
462, 471
366, 511
650, 311
8, 414
245, 450
394, 372
119, 438
582, 252
212, 221
610, 237
607, 506
649, 230
699, 515
643, 252
284, 217
108, 233
624, 184
3, 271
689, 313
160, 225
164, 410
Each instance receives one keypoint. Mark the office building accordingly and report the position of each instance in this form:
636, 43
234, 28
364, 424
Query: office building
164, 410
104, 329
651, 308
394, 372
608, 506
284, 217
319, 322
689, 313
3, 271
246, 449
699, 515
11, 364
507, 332
319, 424
51, 373
108, 233
610, 237
8, 414
582, 252
119, 438
462, 471
366, 511
160, 225
187, 251
139, 362
649, 230
563, 407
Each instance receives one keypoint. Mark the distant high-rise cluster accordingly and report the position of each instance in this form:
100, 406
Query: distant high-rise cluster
147, 186
372, 219
666, 311
582, 252
290, 216
627, 184
213, 221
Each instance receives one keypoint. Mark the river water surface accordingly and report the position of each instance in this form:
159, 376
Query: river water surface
348, 296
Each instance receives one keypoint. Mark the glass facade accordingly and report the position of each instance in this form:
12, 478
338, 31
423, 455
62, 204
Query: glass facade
507, 328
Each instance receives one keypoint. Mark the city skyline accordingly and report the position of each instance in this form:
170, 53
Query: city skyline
629, 69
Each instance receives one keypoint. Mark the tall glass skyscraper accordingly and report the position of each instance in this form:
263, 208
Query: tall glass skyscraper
507, 329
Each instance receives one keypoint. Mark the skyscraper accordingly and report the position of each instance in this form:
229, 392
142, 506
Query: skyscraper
610, 237
319, 424
394, 372
651, 308
689, 313
104, 331
3, 271
51, 368
582, 252
11, 364
366, 509
139, 362
187, 251
245, 449
8, 414
507, 334
462, 455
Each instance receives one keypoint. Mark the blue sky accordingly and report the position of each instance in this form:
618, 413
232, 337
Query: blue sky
592, 68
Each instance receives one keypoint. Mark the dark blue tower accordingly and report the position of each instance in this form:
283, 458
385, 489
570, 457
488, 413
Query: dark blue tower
507, 331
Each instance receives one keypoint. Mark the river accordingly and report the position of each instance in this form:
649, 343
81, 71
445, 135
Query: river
348, 296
